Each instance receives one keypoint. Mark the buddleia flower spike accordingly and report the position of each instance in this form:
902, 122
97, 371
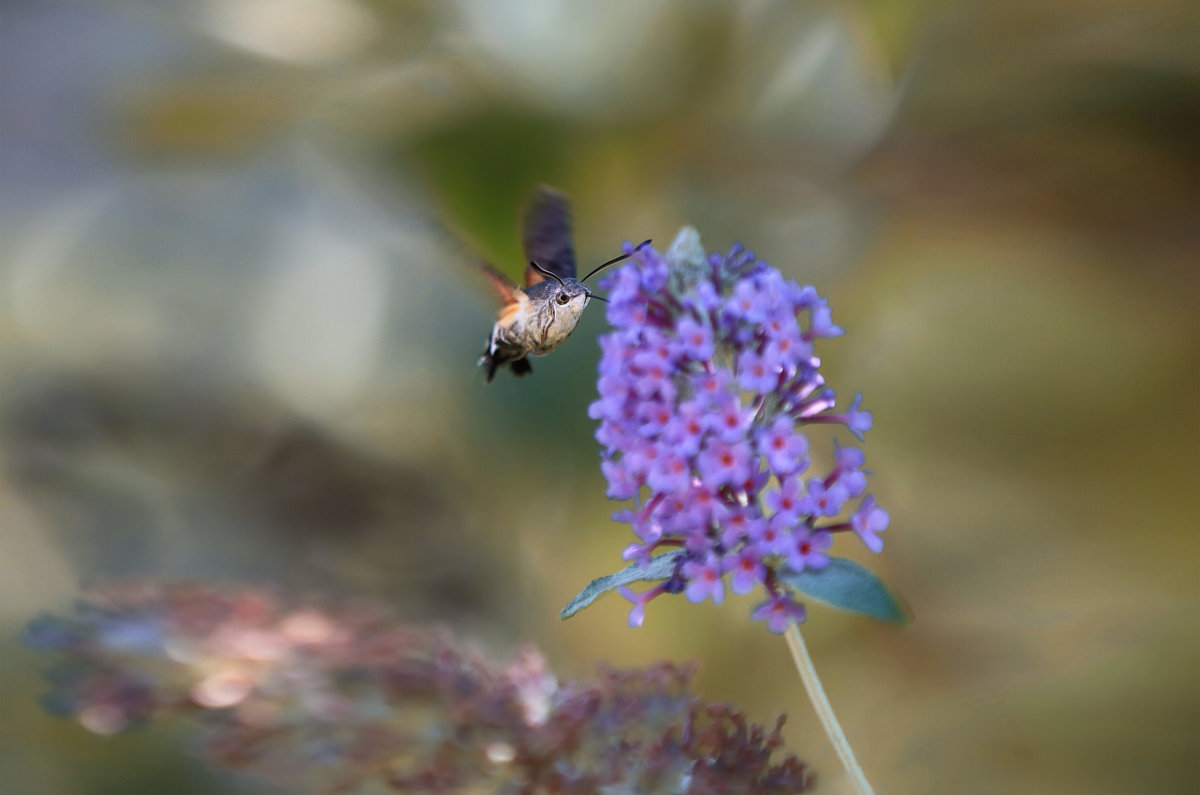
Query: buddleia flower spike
708, 387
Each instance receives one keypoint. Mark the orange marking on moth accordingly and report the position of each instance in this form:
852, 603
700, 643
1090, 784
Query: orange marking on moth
508, 312
533, 277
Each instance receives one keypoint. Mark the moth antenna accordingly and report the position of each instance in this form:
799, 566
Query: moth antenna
545, 272
615, 260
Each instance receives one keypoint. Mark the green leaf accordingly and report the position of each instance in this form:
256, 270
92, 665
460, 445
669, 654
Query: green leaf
660, 567
848, 586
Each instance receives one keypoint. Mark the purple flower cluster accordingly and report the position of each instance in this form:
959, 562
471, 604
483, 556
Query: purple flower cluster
705, 387
338, 699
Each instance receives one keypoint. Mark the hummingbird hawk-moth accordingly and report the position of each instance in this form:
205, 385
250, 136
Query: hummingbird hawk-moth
534, 320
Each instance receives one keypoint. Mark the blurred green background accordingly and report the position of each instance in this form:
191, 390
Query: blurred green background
240, 311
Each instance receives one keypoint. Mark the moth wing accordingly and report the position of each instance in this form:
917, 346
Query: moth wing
512, 297
546, 234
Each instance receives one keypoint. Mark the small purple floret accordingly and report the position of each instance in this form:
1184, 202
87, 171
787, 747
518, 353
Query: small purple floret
869, 521
705, 580
782, 446
779, 612
824, 500
637, 615
724, 463
807, 549
747, 570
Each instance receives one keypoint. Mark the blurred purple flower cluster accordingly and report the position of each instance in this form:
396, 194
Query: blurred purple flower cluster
339, 699
705, 387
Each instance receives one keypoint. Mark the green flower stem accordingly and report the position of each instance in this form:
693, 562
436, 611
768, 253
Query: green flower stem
820, 702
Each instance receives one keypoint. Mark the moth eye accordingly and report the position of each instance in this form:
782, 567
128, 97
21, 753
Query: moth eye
563, 298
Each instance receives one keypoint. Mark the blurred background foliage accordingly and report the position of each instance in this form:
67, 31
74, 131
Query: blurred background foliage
240, 311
